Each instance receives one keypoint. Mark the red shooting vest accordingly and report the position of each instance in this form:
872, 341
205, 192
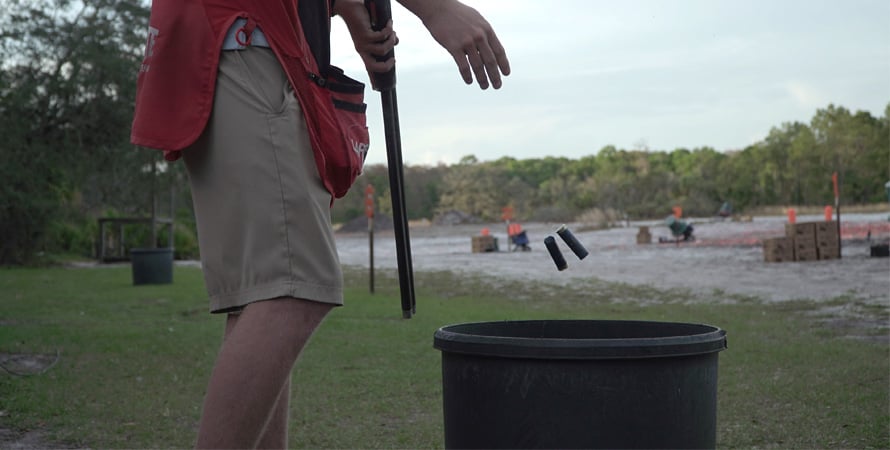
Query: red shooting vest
177, 78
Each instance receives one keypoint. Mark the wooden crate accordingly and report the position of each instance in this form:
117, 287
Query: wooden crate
803, 236
829, 227
778, 243
643, 237
805, 230
829, 251
810, 254
482, 244
826, 234
778, 257
804, 244
778, 249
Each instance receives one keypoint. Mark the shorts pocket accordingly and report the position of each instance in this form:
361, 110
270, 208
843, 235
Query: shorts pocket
262, 79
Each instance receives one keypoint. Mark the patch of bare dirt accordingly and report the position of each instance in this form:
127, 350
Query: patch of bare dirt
24, 364
28, 440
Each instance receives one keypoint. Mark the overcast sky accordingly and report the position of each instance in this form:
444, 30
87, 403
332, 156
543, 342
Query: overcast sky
662, 74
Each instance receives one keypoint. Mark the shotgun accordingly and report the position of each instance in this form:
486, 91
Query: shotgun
380, 12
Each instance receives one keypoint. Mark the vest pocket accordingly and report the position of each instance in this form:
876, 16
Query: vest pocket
343, 136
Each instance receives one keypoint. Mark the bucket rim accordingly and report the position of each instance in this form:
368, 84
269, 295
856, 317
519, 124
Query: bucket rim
471, 338
151, 250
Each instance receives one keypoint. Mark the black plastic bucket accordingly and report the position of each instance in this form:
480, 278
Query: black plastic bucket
580, 384
152, 265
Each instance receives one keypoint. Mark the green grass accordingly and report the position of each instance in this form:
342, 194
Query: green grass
134, 360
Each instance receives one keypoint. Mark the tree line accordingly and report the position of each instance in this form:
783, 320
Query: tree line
792, 165
67, 88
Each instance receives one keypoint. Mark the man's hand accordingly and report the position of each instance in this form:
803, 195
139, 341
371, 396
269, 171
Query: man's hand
368, 43
467, 36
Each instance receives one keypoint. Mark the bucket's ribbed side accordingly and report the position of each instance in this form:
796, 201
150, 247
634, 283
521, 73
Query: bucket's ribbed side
152, 265
511, 401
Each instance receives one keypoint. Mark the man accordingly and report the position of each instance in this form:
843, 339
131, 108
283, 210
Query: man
214, 91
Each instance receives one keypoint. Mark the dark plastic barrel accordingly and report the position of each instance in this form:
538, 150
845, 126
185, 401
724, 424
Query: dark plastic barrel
580, 384
152, 265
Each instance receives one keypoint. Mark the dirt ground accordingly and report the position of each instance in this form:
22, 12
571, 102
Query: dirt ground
725, 258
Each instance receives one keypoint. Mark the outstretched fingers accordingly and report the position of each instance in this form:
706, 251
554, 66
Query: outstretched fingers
470, 40
484, 57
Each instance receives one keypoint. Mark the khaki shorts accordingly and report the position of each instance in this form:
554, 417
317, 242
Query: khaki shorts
263, 215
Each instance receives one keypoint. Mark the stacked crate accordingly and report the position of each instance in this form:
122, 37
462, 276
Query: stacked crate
808, 241
803, 236
827, 240
644, 237
780, 249
482, 244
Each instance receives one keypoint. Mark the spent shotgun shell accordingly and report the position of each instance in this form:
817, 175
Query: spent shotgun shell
560, 262
572, 242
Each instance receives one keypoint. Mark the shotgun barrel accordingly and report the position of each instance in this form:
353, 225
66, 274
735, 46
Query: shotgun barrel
380, 12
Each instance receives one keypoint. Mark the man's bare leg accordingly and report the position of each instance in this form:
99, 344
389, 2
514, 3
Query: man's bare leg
275, 433
252, 372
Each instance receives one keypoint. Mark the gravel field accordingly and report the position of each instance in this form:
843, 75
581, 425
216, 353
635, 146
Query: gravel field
726, 258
